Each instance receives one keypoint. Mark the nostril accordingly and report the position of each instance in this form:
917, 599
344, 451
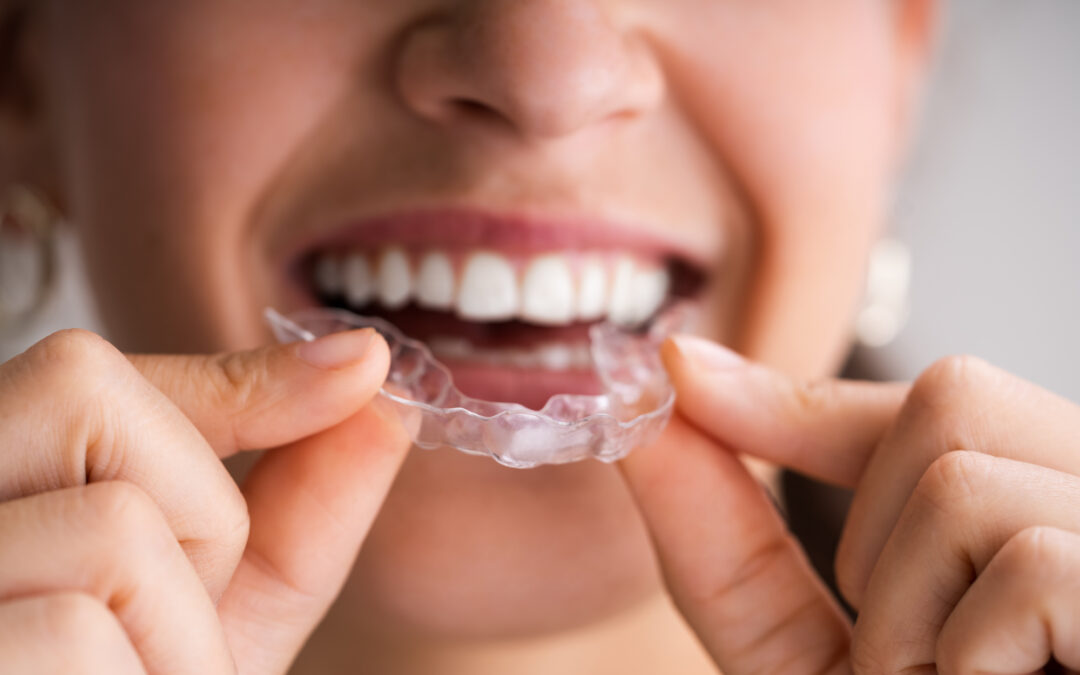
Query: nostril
471, 110
538, 68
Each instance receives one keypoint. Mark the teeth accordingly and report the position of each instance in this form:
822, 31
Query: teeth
489, 289
435, 282
547, 291
592, 290
636, 291
395, 279
450, 348
356, 274
328, 275
553, 290
554, 356
621, 305
650, 290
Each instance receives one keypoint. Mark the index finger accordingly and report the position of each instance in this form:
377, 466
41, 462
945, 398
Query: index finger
826, 429
274, 395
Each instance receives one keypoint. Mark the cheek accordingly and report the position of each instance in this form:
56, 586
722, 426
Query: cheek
173, 207
800, 106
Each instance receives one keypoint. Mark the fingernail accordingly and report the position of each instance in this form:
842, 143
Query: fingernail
706, 353
337, 350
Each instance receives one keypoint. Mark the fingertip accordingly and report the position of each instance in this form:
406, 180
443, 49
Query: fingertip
671, 356
693, 362
684, 350
703, 374
358, 360
337, 350
304, 388
376, 360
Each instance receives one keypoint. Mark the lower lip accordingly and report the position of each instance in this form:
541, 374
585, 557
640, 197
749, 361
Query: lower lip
530, 387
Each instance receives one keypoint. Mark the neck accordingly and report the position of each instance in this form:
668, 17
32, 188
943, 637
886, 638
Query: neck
650, 638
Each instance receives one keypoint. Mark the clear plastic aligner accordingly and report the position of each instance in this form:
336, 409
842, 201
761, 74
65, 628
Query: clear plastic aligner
634, 408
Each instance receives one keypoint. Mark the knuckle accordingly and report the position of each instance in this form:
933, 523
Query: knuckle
73, 618
950, 376
812, 397
74, 350
954, 481
235, 522
236, 380
77, 362
130, 519
1038, 548
88, 634
942, 407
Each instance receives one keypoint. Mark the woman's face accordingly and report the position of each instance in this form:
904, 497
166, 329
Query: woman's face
211, 152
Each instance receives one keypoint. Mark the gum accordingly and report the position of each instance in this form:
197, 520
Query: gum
632, 411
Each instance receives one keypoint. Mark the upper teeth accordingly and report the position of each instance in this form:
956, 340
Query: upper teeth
549, 289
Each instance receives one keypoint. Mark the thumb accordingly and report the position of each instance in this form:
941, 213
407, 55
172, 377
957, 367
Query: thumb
311, 505
732, 568
826, 428
273, 395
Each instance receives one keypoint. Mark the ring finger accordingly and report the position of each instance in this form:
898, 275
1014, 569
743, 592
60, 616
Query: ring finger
962, 512
1021, 611
111, 541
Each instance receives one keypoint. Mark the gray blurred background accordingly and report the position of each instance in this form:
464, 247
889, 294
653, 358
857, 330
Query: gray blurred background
990, 206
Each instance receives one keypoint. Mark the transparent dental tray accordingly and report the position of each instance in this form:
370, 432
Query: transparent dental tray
633, 409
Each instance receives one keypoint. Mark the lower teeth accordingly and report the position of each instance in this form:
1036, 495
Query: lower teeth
554, 356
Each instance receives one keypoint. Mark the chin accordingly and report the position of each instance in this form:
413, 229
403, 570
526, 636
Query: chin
467, 549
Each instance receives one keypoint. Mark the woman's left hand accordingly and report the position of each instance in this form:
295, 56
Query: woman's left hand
961, 552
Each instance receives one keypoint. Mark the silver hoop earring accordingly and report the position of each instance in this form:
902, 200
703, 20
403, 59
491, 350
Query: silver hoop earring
886, 305
28, 254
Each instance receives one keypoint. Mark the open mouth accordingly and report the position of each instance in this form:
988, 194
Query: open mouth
505, 304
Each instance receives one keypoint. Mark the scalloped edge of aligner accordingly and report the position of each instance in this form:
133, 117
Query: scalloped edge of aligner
610, 426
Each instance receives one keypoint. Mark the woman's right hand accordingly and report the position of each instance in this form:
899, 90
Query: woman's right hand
126, 547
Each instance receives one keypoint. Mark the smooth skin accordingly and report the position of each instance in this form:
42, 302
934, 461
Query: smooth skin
128, 547
190, 143
960, 549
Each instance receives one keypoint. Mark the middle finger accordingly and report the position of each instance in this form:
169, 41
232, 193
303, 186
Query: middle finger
73, 410
109, 540
960, 403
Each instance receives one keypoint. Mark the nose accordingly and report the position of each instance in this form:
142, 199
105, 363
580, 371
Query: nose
546, 68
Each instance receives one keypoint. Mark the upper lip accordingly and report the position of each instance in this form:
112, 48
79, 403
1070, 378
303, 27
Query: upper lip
521, 233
